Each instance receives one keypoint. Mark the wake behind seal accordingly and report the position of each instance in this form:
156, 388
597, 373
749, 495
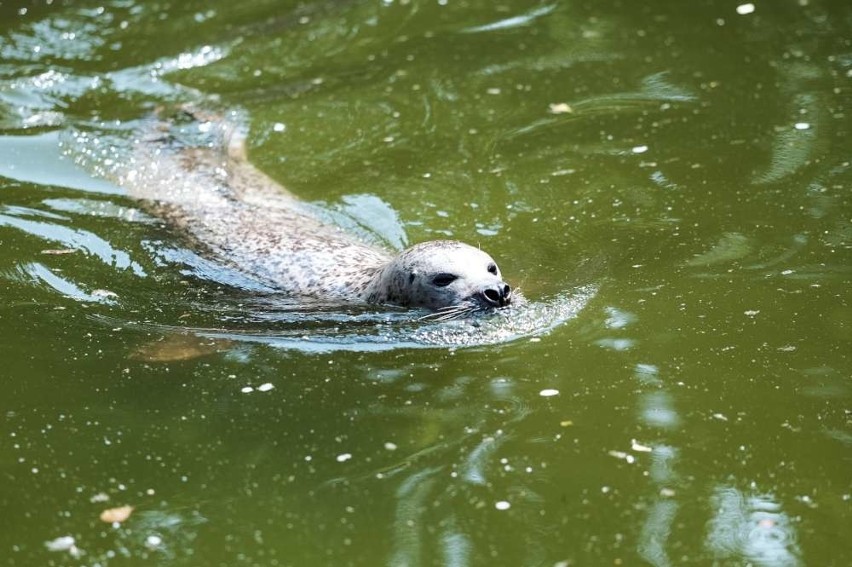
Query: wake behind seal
207, 187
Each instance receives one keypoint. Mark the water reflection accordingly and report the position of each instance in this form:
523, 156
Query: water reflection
38, 159
414, 499
800, 142
40, 274
657, 411
752, 526
434, 503
689, 159
71, 238
513, 22
749, 526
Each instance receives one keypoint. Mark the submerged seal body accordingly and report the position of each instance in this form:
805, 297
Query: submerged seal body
249, 221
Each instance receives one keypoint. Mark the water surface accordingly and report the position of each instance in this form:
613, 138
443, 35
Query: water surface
675, 176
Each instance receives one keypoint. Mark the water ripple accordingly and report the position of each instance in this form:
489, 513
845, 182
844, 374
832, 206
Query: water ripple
72, 238
292, 324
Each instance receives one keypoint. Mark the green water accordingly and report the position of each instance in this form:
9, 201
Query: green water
689, 163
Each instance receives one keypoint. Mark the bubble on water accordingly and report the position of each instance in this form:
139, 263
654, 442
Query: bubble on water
153, 541
64, 543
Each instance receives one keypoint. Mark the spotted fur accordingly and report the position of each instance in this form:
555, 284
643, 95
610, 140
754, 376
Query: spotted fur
246, 219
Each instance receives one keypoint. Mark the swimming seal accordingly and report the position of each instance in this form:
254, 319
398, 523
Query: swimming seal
195, 173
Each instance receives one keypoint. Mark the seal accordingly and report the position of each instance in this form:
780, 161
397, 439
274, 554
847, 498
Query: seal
195, 173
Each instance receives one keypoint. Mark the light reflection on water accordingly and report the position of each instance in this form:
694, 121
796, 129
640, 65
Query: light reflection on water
752, 526
70, 238
743, 525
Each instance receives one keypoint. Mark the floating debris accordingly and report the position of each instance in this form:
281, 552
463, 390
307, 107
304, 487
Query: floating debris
745, 9
622, 455
64, 543
560, 108
116, 515
153, 541
640, 448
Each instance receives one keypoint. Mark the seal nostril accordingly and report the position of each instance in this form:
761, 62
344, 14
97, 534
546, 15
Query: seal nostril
507, 291
492, 295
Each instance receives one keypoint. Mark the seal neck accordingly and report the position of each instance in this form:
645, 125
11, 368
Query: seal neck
381, 286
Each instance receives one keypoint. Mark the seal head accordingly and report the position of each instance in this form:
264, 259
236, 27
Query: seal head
448, 277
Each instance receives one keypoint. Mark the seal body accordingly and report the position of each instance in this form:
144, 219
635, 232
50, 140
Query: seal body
246, 219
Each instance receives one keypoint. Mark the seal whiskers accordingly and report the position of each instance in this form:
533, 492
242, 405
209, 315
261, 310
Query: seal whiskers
450, 312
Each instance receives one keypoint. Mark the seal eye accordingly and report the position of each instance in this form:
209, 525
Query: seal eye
443, 280
492, 268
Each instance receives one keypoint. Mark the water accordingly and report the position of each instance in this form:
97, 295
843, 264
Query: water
668, 184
